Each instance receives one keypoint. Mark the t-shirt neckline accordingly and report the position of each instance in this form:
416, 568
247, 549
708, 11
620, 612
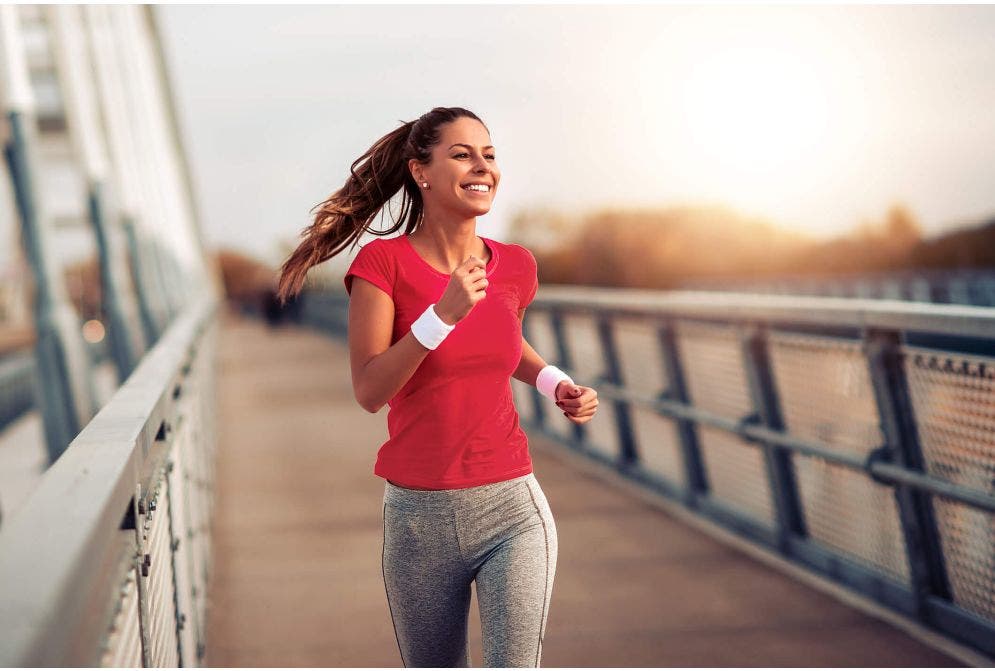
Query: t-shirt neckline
488, 269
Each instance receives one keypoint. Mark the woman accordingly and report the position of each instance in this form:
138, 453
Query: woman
435, 332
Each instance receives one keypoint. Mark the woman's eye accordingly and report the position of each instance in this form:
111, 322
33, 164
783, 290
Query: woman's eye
490, 156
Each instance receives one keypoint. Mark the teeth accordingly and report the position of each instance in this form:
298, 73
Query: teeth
478, 187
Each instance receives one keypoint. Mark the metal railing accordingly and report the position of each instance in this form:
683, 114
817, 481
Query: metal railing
17, 386
854, 437
106, 563
965, 286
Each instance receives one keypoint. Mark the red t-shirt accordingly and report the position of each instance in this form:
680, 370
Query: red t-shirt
454, 423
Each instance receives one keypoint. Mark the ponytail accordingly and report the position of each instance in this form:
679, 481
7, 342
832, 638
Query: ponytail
375, 177
346, 214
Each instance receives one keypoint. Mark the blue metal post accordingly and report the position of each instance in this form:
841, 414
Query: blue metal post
898, 424
780, 470
694, 466
138, 276
125, 349
628, 455
565, 362
64, 390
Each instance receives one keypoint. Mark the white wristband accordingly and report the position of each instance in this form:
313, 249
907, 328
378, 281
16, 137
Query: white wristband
549, 378
429, 329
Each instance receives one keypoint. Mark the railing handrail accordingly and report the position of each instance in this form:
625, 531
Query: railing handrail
58, 545
960, 320
763, 341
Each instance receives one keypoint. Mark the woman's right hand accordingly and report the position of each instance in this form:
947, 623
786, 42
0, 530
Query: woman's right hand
466, 287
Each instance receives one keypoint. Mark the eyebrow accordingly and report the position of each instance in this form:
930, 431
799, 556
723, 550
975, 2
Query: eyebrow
460, 144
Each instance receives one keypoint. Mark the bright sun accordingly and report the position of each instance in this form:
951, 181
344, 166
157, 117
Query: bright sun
761, 111
754, 113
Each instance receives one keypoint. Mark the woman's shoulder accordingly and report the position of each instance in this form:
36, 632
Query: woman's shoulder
515, 251
380, 246
383, 241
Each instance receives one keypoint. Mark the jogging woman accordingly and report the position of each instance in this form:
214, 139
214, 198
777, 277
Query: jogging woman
435, 332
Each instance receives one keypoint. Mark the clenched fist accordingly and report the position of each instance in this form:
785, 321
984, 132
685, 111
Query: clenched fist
577, 402
466, 287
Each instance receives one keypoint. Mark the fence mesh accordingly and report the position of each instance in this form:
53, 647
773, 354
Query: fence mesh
645, 371
643, 368
825, 393
543, 340
712, 357
588, 361
953, 396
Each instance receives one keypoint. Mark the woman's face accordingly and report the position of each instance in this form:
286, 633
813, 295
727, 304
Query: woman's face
463, 157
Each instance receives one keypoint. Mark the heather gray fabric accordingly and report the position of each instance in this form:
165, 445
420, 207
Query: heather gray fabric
435, 543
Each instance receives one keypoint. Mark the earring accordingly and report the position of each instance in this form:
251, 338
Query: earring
425, 184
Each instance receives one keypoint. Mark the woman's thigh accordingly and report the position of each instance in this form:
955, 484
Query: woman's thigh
514, 586
428, 589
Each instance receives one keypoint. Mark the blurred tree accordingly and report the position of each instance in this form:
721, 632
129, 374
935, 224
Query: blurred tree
661, 248
246, 279
966, 247
541, 229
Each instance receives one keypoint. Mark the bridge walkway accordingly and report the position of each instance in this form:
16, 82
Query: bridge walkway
298, 530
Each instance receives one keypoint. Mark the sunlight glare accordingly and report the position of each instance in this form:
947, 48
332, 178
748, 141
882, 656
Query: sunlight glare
764, 112
755, 114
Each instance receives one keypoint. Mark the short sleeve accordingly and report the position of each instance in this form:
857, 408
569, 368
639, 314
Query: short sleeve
530, 282
374, 264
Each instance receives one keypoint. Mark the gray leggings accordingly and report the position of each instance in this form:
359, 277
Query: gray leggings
436, 542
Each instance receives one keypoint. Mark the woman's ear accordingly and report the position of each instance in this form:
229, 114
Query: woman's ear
414, 167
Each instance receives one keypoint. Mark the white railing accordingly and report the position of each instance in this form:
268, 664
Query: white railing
106, 564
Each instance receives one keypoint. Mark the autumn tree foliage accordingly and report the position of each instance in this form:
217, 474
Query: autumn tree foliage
660, 248
663, 248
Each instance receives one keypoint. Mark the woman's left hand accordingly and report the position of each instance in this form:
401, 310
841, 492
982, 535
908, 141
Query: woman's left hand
577, 402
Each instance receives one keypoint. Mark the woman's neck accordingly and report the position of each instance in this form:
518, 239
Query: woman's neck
450, 243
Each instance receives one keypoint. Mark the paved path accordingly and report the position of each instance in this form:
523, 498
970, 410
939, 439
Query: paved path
298, 533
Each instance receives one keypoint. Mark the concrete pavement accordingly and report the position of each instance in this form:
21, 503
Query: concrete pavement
298, 532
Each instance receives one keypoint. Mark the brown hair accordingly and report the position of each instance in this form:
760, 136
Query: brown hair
375, 178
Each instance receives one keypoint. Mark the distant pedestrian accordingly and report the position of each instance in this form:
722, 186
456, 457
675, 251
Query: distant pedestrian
435, 332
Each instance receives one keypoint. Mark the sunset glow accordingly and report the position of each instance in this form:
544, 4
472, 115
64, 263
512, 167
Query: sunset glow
768, 113
814, 118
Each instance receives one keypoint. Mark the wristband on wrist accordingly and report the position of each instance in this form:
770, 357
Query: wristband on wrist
548, 379
429, 329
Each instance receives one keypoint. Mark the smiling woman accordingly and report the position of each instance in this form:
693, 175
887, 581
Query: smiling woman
435, 332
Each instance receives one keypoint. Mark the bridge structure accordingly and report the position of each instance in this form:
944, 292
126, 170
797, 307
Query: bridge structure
963, 286
746, 496
770, 480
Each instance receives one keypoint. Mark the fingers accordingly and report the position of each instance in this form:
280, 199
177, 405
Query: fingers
474, 269
579, 409
583, 412
579, 420
588, 399
586, 409
473, 263
478, 278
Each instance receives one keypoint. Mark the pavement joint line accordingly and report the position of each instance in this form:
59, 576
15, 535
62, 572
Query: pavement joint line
924, 635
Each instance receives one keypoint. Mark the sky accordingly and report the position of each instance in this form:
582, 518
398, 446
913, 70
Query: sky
815, 118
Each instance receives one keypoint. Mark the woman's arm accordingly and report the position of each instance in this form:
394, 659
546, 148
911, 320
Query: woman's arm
531, 363
379, 369
578, 403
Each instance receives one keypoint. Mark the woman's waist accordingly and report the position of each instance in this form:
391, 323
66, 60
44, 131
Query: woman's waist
422, 499
452, 407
